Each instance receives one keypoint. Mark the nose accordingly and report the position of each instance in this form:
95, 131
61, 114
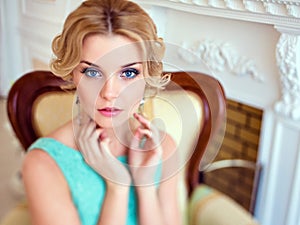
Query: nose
110, 89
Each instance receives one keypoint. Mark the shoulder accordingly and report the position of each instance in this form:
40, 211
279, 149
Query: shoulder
37, 167
40, 175
40, 171
38, 162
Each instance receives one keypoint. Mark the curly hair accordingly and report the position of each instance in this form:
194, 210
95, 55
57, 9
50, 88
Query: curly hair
105, 17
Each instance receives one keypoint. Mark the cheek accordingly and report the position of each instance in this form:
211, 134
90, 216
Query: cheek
131, 95
134, 92
88, 91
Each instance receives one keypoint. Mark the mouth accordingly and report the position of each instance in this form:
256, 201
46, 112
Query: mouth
109, 111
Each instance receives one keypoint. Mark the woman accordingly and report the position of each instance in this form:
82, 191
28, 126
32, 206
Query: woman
107, 166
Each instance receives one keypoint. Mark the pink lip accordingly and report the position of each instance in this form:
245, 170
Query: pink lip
109, 111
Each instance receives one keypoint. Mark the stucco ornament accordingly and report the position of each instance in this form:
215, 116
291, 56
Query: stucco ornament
289, 8
219, 57
288, 61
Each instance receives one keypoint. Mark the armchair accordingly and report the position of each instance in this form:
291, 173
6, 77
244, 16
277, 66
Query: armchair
33, 97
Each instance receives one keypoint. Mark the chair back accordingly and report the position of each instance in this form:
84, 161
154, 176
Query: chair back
190, 109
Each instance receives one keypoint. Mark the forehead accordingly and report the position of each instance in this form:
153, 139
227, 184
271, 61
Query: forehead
111, 50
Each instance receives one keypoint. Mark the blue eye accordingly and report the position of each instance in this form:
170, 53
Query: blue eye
92, 72
130, 73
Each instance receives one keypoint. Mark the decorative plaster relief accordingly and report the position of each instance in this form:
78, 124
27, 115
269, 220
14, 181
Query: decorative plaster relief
219, 57
288, 56
274, 7
293, 10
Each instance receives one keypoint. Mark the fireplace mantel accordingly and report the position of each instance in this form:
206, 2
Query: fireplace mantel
275, 12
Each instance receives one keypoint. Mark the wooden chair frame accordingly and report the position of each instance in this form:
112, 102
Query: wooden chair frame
33, 84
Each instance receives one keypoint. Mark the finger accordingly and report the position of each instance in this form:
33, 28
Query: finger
104, 147
89, 128
90, 132
145, 132
83, 136
91, 151
135, 142
82, 129
89, 145
143, 121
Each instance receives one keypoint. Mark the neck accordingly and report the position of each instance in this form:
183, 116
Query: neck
120, 138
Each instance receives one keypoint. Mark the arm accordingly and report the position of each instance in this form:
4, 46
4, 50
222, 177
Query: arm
169, 200
162, 202
168, 194
150, 211
159, 206
47, 191
98, 155
113, 210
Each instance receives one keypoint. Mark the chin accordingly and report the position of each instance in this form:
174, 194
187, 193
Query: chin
110, 123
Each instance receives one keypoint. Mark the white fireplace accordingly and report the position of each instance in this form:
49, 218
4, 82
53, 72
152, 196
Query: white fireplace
251, 46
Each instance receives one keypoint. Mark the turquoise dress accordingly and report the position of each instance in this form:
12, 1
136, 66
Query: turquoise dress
87, 187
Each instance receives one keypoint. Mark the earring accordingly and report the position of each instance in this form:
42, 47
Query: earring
77, 102
141, 106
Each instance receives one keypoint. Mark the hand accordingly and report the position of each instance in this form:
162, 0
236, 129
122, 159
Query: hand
145, 152
97, 154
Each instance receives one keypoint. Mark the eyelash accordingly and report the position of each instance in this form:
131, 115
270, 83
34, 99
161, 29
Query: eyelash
131, 70
91, 69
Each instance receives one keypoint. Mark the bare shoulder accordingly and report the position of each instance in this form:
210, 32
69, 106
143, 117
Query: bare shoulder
38, 163
41, 175
45, 185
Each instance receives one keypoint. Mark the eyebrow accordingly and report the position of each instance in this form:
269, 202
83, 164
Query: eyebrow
131, 64
95, 65
89, 63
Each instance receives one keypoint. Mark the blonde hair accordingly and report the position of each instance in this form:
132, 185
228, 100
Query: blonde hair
120, 17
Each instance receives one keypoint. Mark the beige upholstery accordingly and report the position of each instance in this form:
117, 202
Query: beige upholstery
18, 216
165, 107
52, 110
210, 207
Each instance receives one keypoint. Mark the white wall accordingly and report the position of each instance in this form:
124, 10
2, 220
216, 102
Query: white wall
253, 49
11, 60
28, 29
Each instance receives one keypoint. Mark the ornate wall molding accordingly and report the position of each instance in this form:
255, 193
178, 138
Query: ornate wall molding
275, 12
219, 57
274, 7
288, 62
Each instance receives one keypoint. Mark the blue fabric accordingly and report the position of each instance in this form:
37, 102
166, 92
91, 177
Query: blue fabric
87, 186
